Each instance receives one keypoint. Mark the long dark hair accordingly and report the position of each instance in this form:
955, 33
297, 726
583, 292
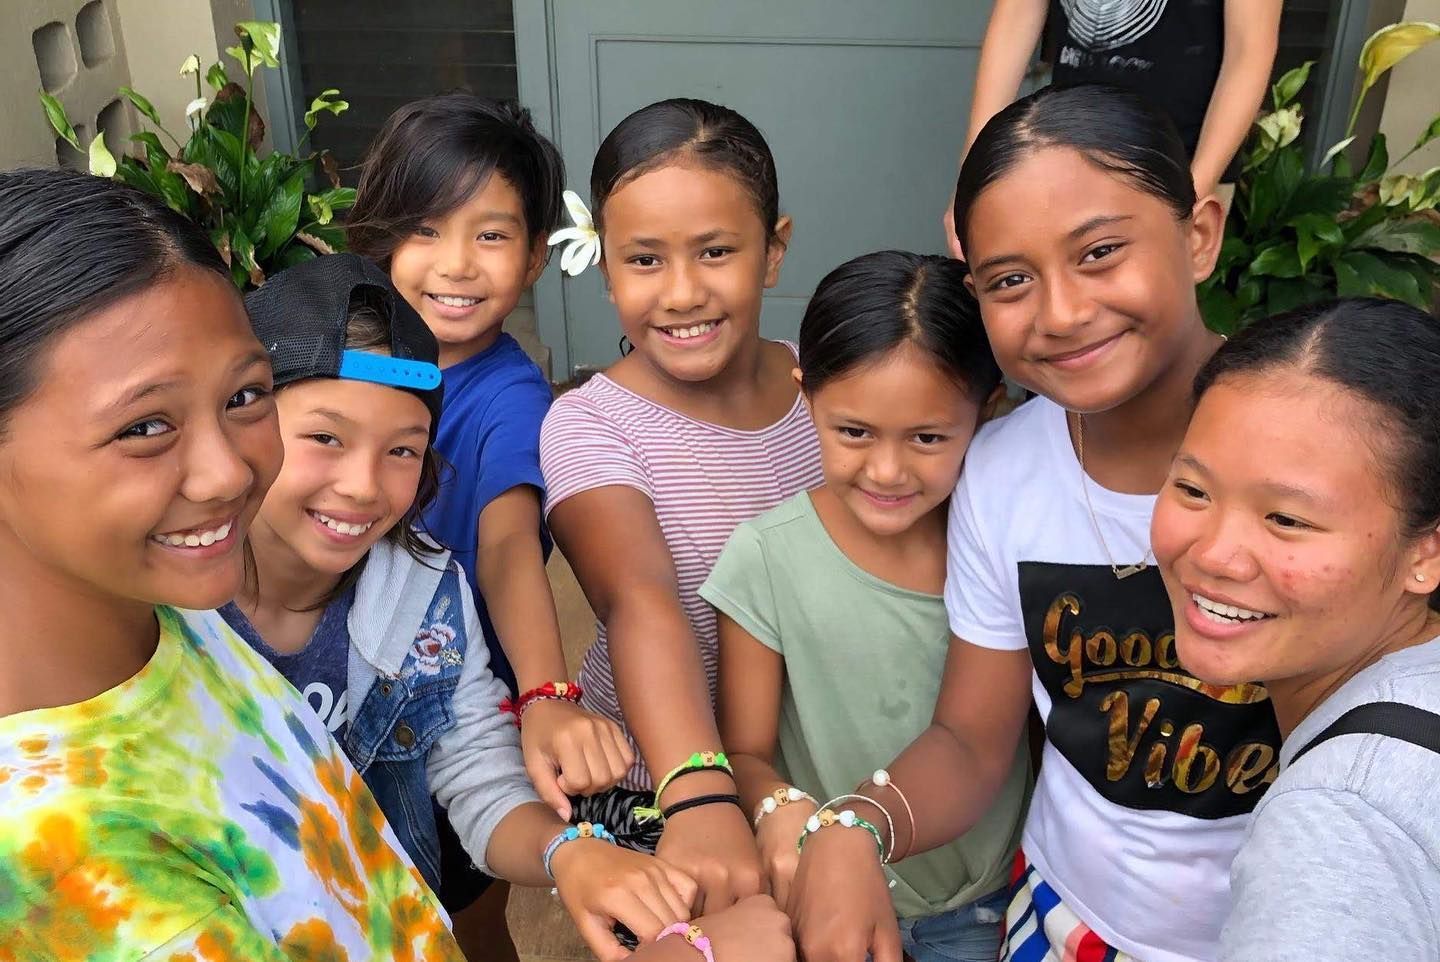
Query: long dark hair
433, 154
1384, 352
70, 246
1113, 128
869, 306
707, 134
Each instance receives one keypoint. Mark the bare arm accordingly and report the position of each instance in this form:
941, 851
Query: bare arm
613, 541
751, 677
568, 751
510, 570
1010, 40
1252, 33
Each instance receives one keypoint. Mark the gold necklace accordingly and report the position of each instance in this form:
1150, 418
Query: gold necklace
1121, 571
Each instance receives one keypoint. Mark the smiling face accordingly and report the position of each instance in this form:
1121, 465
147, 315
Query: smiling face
687, 261
134, 469
1287, 567
1086, 283
465, 272
893, 434
353, 459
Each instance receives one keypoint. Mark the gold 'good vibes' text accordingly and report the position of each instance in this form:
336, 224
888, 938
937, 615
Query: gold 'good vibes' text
1176, 754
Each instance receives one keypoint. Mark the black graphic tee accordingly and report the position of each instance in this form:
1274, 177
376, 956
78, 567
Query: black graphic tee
1148, 774
1168, 50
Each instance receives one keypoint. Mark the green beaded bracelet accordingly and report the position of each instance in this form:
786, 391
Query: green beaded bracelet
846, 819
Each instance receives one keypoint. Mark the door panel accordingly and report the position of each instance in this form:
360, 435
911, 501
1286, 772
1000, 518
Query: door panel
864, 106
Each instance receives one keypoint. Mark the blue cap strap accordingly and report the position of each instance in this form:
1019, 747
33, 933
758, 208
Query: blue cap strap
394, 371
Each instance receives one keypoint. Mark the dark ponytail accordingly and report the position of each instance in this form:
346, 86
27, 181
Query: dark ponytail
1113, 128
869, 306
711, 136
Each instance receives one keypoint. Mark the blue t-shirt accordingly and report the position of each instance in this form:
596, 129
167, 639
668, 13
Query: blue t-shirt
319, 670
489, 431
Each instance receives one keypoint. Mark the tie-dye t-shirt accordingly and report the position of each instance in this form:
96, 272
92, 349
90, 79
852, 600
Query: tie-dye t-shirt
200, 812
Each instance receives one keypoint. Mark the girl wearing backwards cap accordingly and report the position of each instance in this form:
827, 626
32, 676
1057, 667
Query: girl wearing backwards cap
374, 624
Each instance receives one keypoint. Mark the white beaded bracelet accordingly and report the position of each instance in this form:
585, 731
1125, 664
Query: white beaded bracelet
779, 798
889, 822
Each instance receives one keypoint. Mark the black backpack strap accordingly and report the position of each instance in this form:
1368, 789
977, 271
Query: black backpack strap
1392, 719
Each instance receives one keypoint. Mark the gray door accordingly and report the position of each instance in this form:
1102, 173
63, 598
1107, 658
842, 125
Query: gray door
864, 103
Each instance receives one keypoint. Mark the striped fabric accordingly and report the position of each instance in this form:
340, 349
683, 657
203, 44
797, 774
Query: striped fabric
1041, 928
703, 480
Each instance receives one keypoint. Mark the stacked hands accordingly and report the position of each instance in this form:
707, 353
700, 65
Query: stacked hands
742, 883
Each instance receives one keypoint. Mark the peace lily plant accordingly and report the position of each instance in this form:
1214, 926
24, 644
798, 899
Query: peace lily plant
1295, 236
260, 212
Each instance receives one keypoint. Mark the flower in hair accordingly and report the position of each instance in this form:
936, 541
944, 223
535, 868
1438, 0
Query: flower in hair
584, 247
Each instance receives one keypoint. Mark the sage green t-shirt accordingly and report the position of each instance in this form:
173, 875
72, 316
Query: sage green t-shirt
863, 660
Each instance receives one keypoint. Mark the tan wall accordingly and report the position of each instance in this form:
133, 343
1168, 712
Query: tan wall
1413, 98
86, 62
159, 35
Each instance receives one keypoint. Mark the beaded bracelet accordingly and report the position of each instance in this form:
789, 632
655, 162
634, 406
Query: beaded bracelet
700, 761
889, 822
571, 833
550, 691
827, 817
696, 938
881, 779
779, 799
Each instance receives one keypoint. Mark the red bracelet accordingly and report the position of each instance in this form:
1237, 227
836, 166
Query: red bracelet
550, 691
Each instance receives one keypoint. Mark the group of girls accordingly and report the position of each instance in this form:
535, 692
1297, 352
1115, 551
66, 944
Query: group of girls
245, 710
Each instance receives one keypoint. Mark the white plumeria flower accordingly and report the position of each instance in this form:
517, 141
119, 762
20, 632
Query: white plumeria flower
584, 242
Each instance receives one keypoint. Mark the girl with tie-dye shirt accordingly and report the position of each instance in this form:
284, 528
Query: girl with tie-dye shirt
166, 794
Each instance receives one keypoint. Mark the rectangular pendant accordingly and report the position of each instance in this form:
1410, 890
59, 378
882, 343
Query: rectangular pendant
1121, 573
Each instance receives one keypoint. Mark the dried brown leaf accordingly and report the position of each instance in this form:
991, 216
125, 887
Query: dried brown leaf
201, 179
330, 167
314, 243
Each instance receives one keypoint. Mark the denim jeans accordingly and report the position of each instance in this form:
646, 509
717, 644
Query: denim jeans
970, 933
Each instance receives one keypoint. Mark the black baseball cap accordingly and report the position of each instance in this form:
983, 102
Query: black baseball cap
301, 314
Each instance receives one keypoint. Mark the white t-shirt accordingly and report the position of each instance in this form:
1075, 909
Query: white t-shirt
1148, 775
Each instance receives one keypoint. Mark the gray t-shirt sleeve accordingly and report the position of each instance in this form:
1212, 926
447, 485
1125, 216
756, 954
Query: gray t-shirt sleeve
1326, 876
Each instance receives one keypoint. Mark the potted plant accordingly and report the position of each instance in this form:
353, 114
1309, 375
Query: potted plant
260, 211
1295, 235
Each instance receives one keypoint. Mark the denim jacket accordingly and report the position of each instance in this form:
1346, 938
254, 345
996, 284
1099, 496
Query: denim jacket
425, 714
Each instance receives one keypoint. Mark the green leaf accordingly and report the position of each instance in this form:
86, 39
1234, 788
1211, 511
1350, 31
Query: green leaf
1282, 260
293, 255
244, 59
1249, 293
216, 76
55, 112
102, 162
216, 149
142, 105
1289, 85
1220, 310
156, 156
263, 38
1377, 163
1287, 293
1429, 134
1275, 186
324, 103
281, 215
1325, 196
324, 204
130, 172
242, 252
1315, 232
1402, 237
1362, 274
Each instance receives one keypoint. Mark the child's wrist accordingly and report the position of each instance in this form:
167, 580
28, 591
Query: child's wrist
573, 841
550, 691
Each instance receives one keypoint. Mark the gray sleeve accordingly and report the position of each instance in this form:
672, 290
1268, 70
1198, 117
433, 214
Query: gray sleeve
476, 769
1326, 876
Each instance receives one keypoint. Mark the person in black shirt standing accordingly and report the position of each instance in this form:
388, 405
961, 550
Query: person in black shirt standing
1205, 62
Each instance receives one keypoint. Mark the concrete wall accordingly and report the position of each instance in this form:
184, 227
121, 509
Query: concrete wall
159, 35
1412, 100
82, 51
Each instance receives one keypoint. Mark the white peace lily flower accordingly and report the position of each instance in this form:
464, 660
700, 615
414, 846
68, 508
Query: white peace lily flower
190, 66
194, 109
583, 249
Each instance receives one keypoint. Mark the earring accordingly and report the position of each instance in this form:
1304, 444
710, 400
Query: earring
1419, 576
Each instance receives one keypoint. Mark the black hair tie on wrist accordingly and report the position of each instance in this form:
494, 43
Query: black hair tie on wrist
701, 800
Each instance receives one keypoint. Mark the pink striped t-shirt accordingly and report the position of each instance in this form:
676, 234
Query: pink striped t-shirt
703, 479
